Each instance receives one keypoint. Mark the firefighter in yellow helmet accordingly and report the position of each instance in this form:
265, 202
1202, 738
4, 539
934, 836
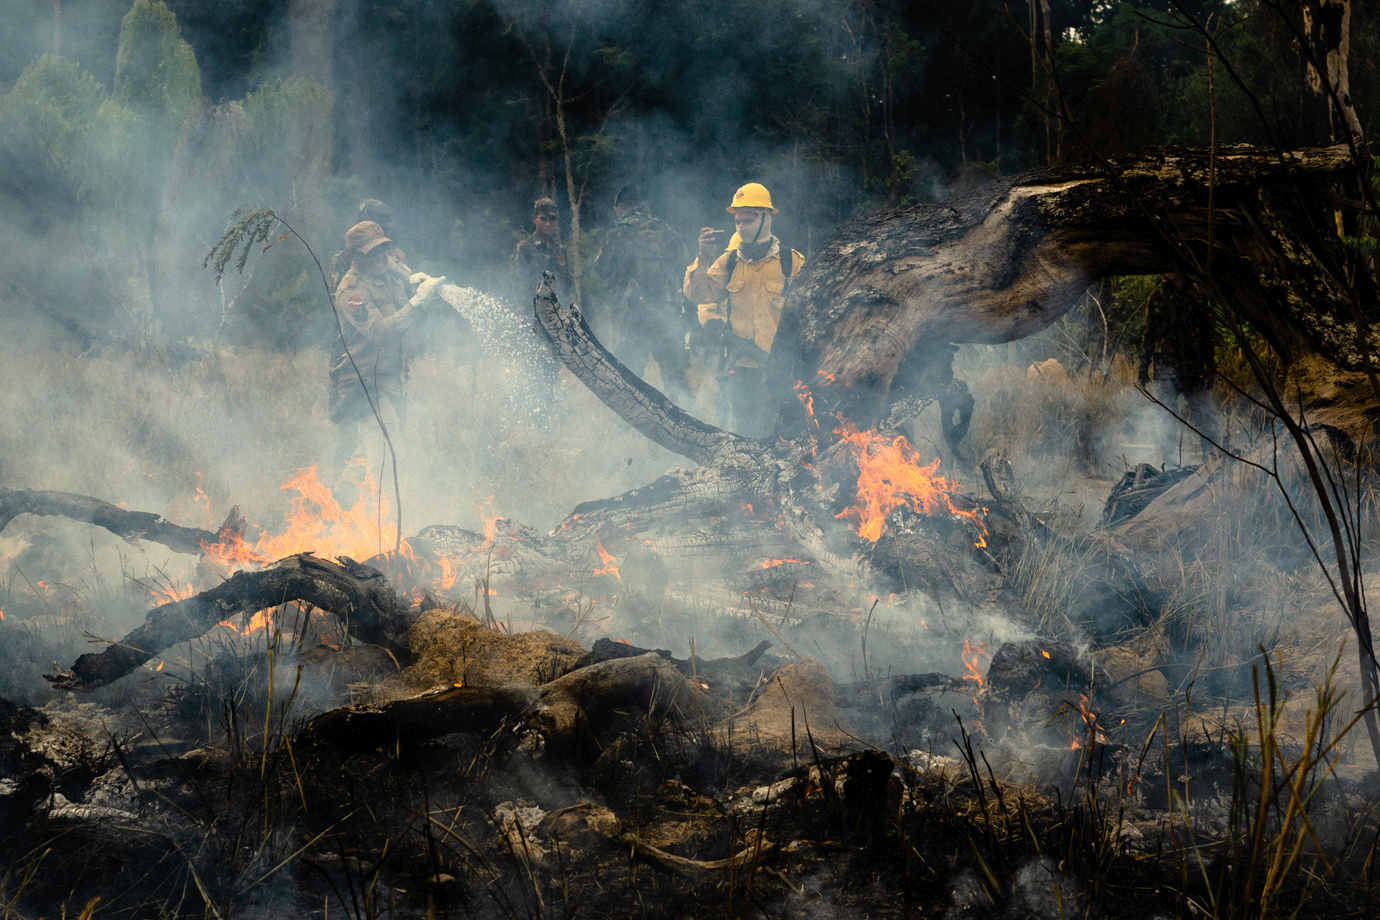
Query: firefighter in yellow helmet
742, 291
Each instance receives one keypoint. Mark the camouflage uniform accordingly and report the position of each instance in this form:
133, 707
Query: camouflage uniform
375, 315
379, 213
532, 257
641, 266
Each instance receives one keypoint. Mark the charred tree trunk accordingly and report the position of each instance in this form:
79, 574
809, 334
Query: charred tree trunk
1328, 109
1013, 257
358, 594
564, 711
127, 525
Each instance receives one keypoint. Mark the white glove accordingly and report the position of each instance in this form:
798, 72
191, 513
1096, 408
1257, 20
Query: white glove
426, 286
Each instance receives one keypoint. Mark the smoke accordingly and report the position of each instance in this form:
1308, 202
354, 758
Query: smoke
134, 377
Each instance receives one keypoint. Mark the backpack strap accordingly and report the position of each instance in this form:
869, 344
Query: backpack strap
731, 264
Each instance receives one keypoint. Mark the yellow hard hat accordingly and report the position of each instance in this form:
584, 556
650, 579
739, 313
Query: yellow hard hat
752, 195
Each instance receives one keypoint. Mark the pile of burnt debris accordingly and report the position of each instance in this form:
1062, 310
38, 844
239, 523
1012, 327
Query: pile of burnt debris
482, 773
408, 757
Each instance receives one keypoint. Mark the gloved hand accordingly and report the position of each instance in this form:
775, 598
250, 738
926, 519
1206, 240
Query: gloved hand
426, 287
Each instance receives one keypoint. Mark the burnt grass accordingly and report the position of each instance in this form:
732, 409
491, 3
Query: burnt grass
220, 814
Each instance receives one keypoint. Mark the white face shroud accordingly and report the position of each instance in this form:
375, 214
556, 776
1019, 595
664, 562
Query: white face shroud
753, 224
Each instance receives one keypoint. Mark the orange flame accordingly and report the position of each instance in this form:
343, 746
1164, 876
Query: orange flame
168, 594
318, 523
448, 573
772, 563
202, 499
1089, 721
890, 475
973, 656
490, 524
609, 568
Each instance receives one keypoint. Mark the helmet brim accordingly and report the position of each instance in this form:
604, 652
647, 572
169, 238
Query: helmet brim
372, 245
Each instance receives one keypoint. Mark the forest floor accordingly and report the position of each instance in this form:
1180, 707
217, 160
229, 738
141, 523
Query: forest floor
1178, 781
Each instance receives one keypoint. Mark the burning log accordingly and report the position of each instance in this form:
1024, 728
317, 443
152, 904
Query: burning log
733, 471
800, 480
358, 594
127, 525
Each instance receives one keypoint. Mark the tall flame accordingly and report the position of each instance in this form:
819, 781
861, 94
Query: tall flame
318, 523
891, 475
609, 567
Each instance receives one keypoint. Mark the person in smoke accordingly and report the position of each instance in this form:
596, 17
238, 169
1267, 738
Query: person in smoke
379, 213
543, 251
640, 265
1179, 349
740, 293
378, 302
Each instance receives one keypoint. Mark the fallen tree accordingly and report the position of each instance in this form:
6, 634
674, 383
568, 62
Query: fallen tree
359, 595
873, 315
127, 525
998, 264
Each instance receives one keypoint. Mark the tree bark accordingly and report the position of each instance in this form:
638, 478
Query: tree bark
1328, 110
127, 525
1011, 258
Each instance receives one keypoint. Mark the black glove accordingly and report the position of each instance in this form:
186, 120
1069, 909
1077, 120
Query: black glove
708, 336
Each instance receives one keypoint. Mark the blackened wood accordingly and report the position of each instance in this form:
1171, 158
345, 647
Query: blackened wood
358, 594
1012, 257
343, 733
563, 711
127, 525
639, 404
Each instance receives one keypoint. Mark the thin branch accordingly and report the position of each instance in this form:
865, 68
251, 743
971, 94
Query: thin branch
253, 226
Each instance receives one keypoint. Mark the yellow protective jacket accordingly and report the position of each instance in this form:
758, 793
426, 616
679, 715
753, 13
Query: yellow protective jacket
750, 301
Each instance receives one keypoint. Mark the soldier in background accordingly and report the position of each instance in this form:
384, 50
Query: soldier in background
378, 302
543, 251
379, 213
640, 265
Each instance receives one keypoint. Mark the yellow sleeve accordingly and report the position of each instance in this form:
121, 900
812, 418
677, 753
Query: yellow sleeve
707, 285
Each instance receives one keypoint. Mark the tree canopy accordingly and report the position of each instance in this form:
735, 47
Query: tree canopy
450, 113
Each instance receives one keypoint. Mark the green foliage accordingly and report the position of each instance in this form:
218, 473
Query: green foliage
53, 107
281, 109
157, 81
157, 87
